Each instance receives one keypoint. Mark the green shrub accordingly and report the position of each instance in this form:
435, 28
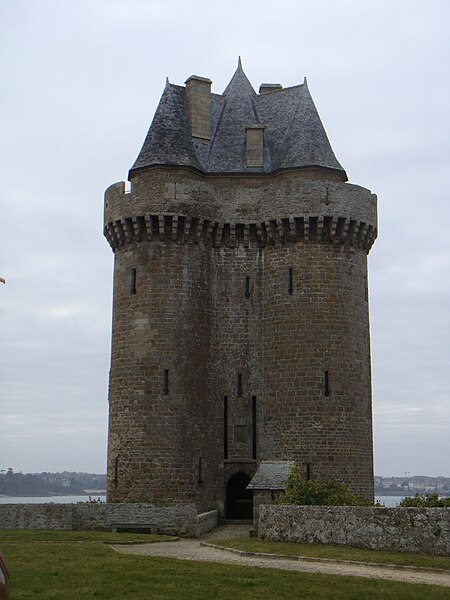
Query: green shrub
426, 501
330, 493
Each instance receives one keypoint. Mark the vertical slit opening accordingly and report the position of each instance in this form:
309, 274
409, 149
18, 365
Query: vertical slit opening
133, 281
200, 465
308, 471
290, 281
254, 432
225, 427
247, 286
327, 384
166, 382
116, 471
239, 385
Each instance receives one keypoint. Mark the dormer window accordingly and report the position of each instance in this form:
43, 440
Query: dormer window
254, 150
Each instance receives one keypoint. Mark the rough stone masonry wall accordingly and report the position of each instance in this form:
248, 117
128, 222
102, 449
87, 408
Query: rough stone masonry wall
157, 436
180, 519
191, 242
316, 326
419, 530
36, 516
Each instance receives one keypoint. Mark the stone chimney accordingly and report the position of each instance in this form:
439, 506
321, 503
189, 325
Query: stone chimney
198, 97
264, 88
254, 150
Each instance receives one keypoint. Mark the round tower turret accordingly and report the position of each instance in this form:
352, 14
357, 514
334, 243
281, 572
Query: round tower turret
240, 321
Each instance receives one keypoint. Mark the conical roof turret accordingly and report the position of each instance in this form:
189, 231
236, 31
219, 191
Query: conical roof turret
239, 86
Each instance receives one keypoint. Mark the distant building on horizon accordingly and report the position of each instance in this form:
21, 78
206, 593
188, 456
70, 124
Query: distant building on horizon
240, 313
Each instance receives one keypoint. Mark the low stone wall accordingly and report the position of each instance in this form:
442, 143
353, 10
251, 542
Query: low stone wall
420, 530
36, 516
174, 520
206, 521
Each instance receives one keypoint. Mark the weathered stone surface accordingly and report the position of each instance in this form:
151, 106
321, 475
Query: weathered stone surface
206, 521
177, 519
180, 519
420, 530
259, 278
36, 516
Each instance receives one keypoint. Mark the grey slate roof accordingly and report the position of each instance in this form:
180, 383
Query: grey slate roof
271, 475
293, 132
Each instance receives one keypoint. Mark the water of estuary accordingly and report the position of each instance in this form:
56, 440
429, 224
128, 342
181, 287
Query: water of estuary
389, 501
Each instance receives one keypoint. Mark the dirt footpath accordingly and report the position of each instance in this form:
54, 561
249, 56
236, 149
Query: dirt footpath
187, 549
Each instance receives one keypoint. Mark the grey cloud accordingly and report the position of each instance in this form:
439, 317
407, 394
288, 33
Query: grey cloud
83, 81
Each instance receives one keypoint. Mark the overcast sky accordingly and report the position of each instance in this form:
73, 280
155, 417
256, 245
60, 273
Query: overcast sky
80, 81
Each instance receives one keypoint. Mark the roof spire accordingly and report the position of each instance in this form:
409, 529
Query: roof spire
239, 84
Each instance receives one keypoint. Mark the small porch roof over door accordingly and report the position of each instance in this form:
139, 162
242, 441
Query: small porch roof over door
271, 475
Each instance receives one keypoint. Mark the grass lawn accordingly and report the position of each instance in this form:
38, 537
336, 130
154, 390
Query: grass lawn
338, 552
87, 569
47, 535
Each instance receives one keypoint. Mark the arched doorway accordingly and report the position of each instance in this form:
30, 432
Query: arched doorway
239, 501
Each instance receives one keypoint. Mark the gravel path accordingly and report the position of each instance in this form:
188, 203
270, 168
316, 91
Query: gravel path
188, 549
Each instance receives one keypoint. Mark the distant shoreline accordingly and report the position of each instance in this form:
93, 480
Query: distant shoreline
409, 494
54, 494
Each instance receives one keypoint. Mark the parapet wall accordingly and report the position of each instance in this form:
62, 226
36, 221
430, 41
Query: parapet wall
178, 206
173, 520
418, 530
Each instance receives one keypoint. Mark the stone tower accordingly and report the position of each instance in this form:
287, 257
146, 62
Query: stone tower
240, 321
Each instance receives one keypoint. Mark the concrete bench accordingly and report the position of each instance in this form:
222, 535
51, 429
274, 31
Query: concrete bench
134, 528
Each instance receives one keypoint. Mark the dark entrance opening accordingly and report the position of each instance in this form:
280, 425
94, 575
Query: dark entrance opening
239, 503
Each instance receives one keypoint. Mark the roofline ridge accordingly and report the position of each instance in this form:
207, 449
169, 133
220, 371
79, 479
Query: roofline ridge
211, 174
214, 133
287, 138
